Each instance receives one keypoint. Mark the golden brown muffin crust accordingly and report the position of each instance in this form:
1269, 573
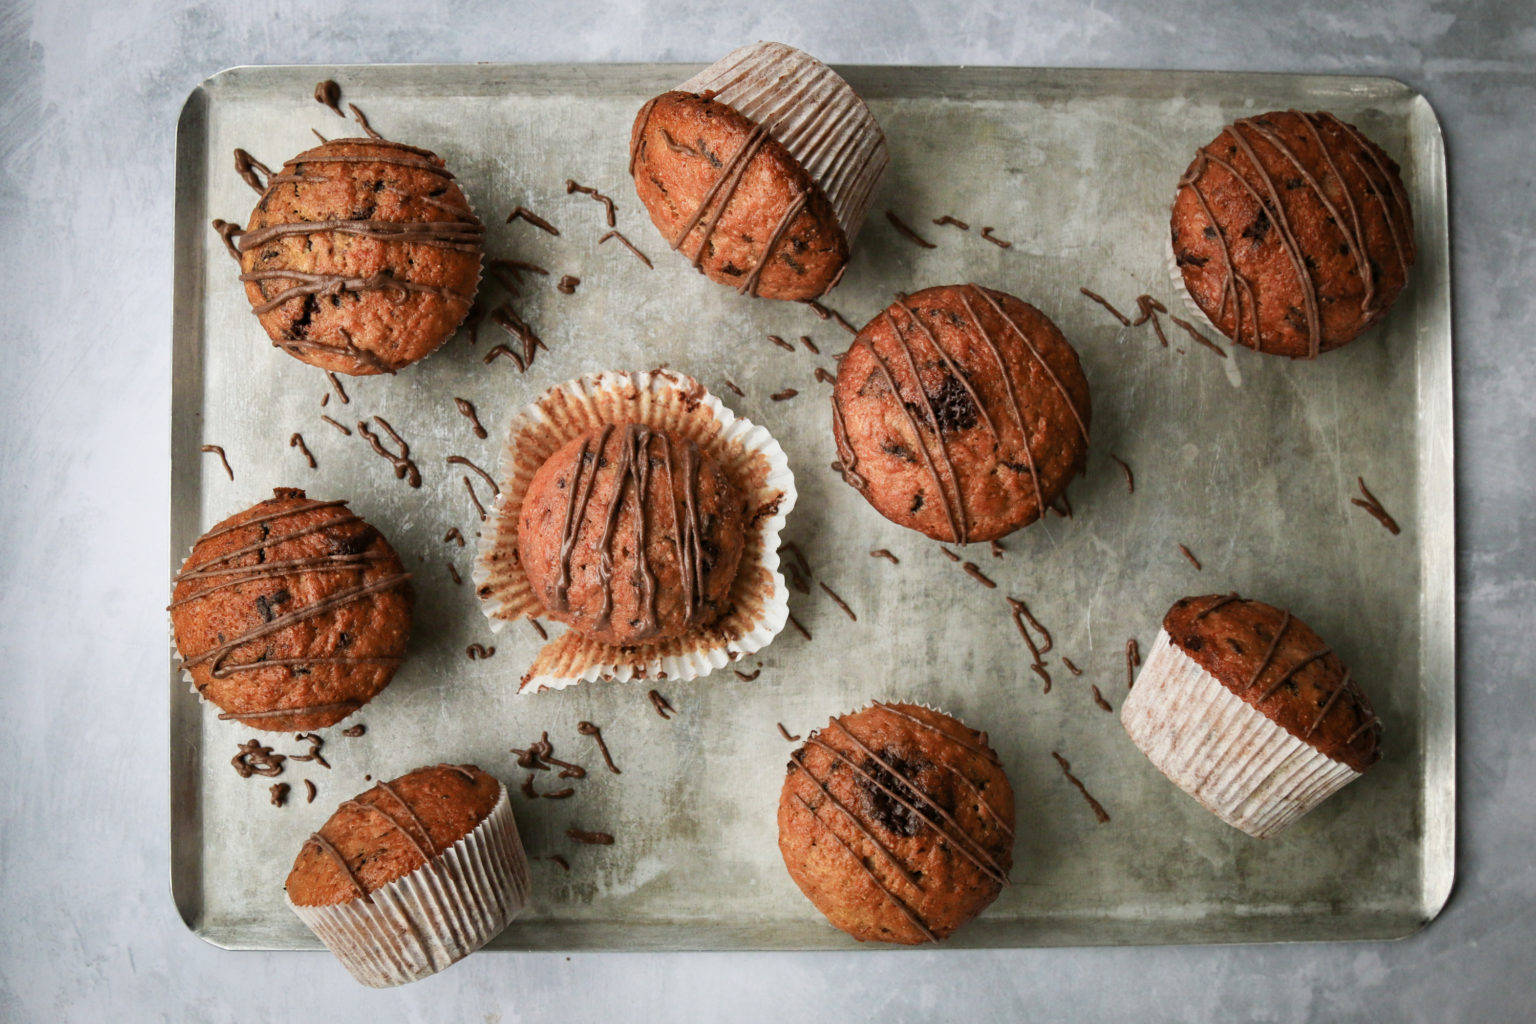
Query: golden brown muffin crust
1297, 682
1009, 398
686, 152
291, 614
1293, 232
390, 831
580, 519
387, 273
897, 823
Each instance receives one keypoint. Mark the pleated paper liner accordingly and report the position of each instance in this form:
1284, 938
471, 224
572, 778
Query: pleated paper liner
746, 453
434, 916
1244, 768
813, 113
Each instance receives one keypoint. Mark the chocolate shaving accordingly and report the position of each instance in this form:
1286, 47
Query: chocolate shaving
404, 466
255, 759
565, 865
1191, 556
589, 838
825, 377
355, 731
455, 536
572, 186
1375, 508
883, 553
907, 233
309, 792
947, 219
478, 652
538, 627
838, 601
567, 285
1098, 698
784, 396
453, 574
987, 234
338, 426
297, 441
734, 388
559, 794
785, 733
799, 628
663, 707
786, 346
1071, 667
523, 213
216, 450
467, 410
1130, 478
630, 246
588, 729
810, 345
1066, 769
1101, 300
974, 572
747, 677
279, 791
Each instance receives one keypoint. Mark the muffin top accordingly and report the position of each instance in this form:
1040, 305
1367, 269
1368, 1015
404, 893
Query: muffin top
292, 614
362, 256
1275, 663
897, 823
960, 412
389, 831
731, 198
1293, 232
630, 534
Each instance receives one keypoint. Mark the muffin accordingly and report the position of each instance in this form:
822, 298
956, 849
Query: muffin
362, 256
1292, 233
629, 534
760, 170
960, 412
292, 614
897, 823
1246, 709
412, 875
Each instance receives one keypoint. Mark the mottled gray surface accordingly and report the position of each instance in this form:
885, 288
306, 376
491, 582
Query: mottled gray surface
88, 99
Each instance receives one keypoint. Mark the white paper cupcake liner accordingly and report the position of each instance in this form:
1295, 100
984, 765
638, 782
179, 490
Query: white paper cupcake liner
813, 113
434, 916
1244, 768
745, 452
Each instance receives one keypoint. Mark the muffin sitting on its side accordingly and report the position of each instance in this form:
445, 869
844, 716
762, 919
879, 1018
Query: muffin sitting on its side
412, 875
1292, 232
760, 169
1246, 709
897, 823
361, 257
960, 412
631, 535
292, 614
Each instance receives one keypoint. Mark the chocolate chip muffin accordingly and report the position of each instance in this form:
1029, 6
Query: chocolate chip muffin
292, 614
1244, 707
897, 823
412, 875
631, 535
760, 170
1292, 232
361, 257
960, 412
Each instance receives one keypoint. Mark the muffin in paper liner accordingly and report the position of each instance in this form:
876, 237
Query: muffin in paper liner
813, 112
1243, 767
432, 917
750, 458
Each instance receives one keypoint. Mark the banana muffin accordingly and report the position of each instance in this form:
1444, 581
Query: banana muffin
412, 875
960, 412
897, 823
1245, 708
1292, 232
292, 614
362, 255
631, 535
760, 170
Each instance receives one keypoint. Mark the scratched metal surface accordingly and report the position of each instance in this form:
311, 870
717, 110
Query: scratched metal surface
1249, 461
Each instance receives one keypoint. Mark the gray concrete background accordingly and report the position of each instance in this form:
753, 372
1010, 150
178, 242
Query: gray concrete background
89, 93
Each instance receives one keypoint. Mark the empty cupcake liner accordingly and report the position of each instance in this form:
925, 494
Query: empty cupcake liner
1244, 768
812, 112
750, 458
434, 916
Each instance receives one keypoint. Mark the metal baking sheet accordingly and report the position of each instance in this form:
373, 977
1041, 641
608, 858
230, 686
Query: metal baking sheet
1249, 461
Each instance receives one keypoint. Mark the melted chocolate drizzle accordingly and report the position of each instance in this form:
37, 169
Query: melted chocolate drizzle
404, 466
642, 257
1130, 478
1101, 300
906, 232
523, 213
947, 219
589, 729
987, 234
1066, 769
571, 185
1191, 556
297, 441
1375, 508
730, 177
328, 93
663, 707
214, 449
